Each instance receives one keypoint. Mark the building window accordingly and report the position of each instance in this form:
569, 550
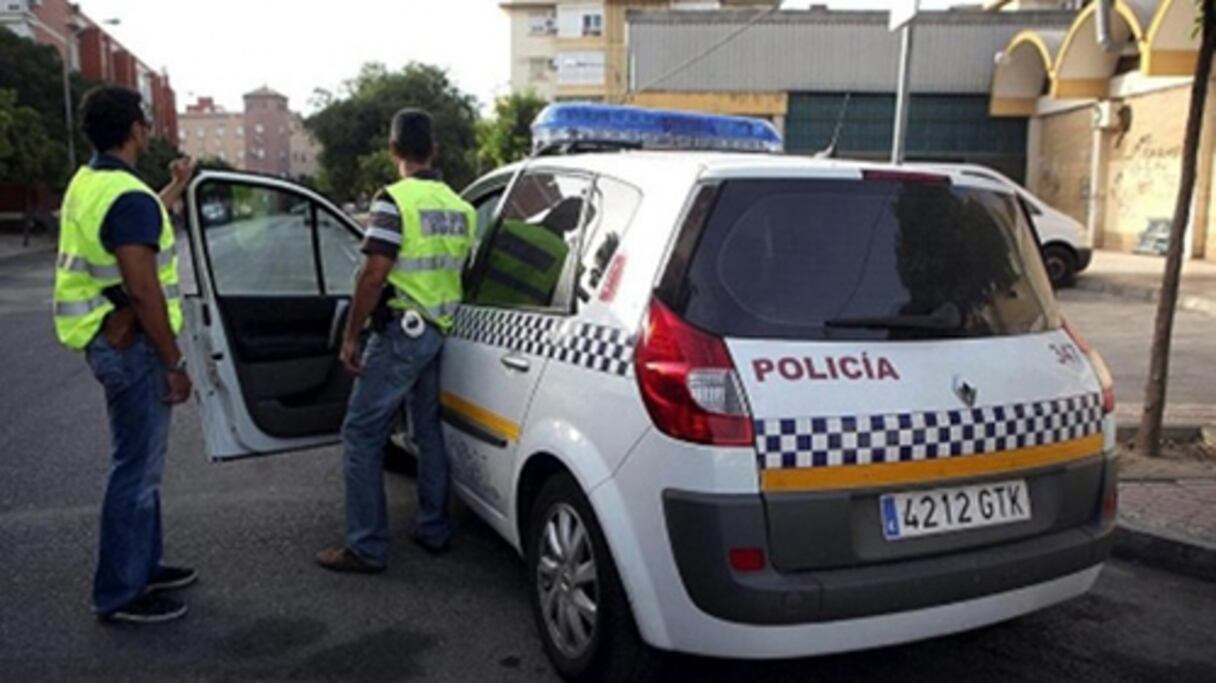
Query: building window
219, 132
201, 133
259, 129
542, 24
539, 68
240, 131
593, 24
580, 68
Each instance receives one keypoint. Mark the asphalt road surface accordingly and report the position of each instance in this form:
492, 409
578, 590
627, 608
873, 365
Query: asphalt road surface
263, 610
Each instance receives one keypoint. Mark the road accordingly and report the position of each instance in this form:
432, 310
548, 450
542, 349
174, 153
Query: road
263, 610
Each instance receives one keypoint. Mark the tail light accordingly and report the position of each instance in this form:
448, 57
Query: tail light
1099, 365
900, 176
689, 384
745, 559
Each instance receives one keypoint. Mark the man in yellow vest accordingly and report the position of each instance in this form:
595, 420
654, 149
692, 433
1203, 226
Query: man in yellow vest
417, 240
116, 299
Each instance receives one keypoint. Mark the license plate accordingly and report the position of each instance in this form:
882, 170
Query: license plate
939, 511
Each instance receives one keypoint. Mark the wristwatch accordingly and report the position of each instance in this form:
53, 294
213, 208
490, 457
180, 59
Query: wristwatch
179, 366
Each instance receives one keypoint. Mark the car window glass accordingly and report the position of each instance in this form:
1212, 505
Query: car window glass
259, 240
531, 257
339, 253
614, 203
486, 205
849, 260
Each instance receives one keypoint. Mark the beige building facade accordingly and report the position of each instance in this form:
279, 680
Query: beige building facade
266, 137
577, 49
1107, 117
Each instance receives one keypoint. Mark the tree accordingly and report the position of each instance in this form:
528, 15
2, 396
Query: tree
27, 152
508, 136
1149, 437
353, 126
153, 164
34, 73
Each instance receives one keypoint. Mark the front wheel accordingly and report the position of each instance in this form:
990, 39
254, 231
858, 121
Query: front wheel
580, 608
1061, 265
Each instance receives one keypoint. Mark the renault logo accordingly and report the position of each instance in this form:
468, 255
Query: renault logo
966, 393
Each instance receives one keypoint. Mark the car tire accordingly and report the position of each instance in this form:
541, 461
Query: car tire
613, 649
1061, 265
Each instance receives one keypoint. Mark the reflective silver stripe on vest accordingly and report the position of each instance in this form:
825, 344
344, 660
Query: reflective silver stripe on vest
75, 309
443, 310
165, 257
442, 262
78, 264
444, 223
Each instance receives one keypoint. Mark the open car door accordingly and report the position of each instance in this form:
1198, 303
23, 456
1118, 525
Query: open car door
274, 264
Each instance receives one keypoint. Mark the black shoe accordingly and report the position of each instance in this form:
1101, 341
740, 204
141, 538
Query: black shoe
431, 546
171, 578
148, 609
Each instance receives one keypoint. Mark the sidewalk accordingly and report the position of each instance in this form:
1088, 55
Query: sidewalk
1139, 277
1167, 510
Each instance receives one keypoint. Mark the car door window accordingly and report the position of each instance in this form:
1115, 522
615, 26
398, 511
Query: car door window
531, 258
340, 255
259, 240
486, 205
613, 204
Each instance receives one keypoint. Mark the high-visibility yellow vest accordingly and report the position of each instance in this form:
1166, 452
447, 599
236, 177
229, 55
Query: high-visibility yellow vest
438, 229
84, 268
525, 265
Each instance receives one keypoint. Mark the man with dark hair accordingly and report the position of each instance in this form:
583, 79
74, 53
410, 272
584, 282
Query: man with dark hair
418, 238
116, 299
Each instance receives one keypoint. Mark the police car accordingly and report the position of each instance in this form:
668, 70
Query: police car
761, 406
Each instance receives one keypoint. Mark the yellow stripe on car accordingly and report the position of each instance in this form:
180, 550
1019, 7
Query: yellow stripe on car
483, 417
924, 471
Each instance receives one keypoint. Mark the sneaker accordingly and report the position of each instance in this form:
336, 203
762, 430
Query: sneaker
344, 560
171, 578
148, 609
431, 546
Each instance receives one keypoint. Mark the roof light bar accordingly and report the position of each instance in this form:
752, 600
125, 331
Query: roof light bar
593, 125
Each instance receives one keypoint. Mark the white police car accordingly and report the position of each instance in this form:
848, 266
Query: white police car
772, 406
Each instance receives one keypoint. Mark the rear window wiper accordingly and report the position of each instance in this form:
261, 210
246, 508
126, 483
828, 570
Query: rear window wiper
946, 317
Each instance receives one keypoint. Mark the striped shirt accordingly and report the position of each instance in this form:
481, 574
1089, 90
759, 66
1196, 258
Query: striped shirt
383, 231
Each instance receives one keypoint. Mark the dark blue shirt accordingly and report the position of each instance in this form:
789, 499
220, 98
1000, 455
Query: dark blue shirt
134, 218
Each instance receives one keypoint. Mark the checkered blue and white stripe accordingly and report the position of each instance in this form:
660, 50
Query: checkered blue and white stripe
595, 347
901, 437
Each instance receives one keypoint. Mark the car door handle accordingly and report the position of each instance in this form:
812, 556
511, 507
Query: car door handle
516, 363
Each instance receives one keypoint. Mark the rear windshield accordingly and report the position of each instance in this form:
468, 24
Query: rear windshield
873, 259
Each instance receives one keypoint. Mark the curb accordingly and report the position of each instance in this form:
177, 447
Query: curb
1171, 432
1186, 302
1164, 551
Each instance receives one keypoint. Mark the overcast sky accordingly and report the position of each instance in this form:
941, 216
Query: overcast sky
224, 48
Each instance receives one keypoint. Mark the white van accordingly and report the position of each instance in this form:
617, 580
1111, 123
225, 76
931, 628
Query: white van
1061, 237
773, 407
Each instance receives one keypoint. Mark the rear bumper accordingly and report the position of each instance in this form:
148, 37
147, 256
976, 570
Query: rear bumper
703, 527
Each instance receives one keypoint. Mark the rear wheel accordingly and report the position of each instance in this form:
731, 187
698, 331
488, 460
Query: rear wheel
1061, 264
581, 611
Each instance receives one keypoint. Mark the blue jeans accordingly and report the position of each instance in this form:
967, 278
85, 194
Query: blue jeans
130, 549
393, 365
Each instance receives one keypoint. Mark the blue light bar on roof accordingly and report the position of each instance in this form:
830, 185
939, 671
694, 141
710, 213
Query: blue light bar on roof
566, 124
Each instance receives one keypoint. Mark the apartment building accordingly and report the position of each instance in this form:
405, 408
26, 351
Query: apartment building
96, 54
577, 50
265, 137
